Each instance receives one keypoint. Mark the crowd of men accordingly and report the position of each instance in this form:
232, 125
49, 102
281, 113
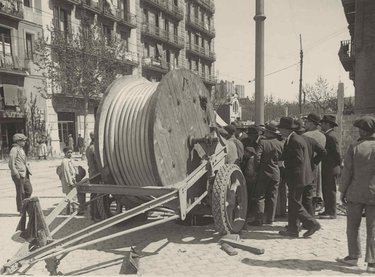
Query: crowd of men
304, 154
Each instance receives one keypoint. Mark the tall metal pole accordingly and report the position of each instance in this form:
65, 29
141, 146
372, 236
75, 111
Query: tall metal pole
259, 62
300, 75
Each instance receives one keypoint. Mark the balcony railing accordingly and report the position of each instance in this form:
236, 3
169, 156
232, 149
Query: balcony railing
167, 7
12, 9
13, 64
156, 64
346, 54
129, 57
127, 18
93, 5
163, 35
203, 27
208, 78
201, 51
208, 4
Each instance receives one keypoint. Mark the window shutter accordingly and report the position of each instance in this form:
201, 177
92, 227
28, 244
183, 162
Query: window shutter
69, 23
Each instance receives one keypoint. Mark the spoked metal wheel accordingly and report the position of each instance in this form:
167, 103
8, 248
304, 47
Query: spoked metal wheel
229, 199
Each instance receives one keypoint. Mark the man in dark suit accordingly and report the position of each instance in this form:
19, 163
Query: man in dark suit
330, 167
298, 174
268, 179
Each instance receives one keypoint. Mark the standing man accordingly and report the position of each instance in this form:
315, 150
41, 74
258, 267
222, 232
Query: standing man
93, 169
267, 183
330, 167
19, 170
70, 142
231, 130
80, 144
312, 122
298, 174
357, 190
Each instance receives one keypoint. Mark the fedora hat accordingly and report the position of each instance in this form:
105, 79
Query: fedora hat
272, 127
329, 118
287, 123
313, 117
366, 123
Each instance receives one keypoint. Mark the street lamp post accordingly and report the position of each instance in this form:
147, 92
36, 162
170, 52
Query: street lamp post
259, 62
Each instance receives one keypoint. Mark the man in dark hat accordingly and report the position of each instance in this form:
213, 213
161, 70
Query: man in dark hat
357, 188
268, 179
298, 174
19, 169
330, 167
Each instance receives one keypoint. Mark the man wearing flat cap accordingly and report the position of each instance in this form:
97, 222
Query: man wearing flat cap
267, 183
298, 174
357, 190
312, 122
19, 169
330, 167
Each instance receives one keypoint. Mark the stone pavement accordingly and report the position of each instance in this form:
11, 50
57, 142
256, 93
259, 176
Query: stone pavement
177, 250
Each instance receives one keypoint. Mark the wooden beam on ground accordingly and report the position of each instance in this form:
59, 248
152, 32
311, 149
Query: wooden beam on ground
243, 245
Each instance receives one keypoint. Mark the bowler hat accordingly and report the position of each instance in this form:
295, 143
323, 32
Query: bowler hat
18, 137
329, 118
313, 117
366, 123
231, 129
287, 123
272, 127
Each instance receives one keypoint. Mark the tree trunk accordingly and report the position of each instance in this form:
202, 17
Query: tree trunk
85, 135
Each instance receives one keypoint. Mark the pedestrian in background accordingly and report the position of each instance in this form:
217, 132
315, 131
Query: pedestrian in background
70, 142
330, 167
231, 129
42, 149
93, 170
267, 184
298, 174
19, 169
312, 123
80, 144
357, 191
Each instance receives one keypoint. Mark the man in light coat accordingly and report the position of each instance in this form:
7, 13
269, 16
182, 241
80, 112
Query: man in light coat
19, 169
357, 190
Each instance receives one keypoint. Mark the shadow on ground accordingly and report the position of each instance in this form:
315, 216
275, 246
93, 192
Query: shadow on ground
307, 265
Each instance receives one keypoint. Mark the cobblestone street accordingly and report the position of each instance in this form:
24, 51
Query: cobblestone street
177, 250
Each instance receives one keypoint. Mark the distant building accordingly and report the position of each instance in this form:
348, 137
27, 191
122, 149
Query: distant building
247, 109
240, 90
230, 111
357, 55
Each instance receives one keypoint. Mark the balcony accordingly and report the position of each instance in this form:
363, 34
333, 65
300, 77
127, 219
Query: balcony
13, 65
75, 2
130, 58
11, 9
92, 5
154, 64
200, 26
162, 35
346, 55
166, 7
126, 18
206, 78
201, 52
208, 4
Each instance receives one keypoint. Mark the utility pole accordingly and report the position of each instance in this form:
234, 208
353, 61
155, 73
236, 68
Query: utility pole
259, 62
300, 75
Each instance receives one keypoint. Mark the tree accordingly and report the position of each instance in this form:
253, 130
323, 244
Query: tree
321, 95
80, 64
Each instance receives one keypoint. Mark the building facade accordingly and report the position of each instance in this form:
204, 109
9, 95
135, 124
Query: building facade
157, 36
357, 54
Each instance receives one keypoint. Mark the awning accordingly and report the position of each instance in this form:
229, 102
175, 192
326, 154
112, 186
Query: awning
11, 95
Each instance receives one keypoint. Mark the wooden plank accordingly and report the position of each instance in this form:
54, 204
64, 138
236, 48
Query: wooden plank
243, 245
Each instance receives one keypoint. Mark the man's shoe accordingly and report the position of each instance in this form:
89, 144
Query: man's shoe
348, 261
312, 230
327, 216
288, 233
371, 268
255, 223
322, 213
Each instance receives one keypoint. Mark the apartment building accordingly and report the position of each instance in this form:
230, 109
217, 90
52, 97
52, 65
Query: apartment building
19, 25
156, 36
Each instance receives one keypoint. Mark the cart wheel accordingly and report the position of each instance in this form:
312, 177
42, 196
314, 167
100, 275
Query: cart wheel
108, 206
229, 199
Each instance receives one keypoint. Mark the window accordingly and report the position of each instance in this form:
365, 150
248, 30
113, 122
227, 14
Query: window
146, 50
166, 25
175, 29
196, 39
190, 65
124, 39
145, 15
157, 20
202, 43
175, 2
196, 14
61, 20
29, 46
107, 34
235, 107
27, 3
5, 43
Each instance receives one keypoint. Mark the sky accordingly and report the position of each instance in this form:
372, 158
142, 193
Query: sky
322, 25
